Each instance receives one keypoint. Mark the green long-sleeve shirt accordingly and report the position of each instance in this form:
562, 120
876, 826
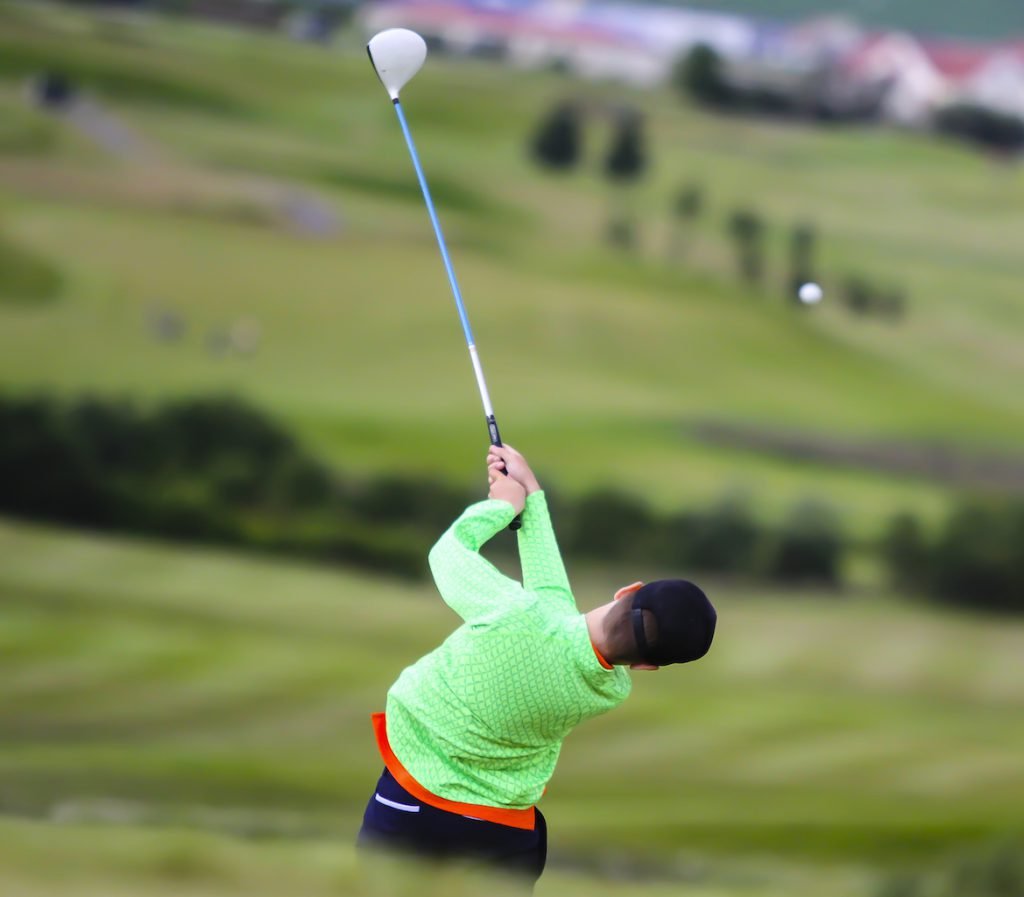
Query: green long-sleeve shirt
481, 719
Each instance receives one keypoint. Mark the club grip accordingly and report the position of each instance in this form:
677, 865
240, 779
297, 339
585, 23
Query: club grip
492, 430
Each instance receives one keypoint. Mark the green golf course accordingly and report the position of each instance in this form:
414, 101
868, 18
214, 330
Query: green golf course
188, 720
821, 744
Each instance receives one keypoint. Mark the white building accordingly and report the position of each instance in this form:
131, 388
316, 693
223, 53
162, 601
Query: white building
633, 44
997, 83
898, 65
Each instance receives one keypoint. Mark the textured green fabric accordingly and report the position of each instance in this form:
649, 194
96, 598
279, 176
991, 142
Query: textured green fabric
481, 719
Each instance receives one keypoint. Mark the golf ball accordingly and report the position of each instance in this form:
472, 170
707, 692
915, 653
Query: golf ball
810, 293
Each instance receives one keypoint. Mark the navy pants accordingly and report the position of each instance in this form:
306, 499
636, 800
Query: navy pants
395, 820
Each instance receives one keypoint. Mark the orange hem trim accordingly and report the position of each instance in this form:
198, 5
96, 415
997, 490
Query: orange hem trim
524, 819
600, 658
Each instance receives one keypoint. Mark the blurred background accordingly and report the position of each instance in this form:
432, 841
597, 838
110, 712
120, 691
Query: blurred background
236, 410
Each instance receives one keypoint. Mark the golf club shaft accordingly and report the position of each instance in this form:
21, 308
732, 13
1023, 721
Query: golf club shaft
474, 357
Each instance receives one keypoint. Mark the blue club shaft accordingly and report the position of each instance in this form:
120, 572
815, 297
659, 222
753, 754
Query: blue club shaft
456, 292
492, 424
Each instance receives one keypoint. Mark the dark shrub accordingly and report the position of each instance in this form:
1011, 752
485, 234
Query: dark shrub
699, 74
746, 228
627, 158
724, 538
978, 559
905, 552
991, 870
808, 547
985, 127
610, 525
399, 499
558, 142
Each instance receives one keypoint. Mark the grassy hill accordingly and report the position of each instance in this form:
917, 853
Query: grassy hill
987, 20
597, 360
147, 690
821, 745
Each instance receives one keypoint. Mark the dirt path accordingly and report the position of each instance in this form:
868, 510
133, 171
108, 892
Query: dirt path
297, 209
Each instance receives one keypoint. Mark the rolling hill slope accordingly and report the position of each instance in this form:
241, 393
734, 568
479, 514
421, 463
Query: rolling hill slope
155, 686
597, 360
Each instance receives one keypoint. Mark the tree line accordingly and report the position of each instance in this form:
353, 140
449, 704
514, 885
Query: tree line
557, 145
217, 470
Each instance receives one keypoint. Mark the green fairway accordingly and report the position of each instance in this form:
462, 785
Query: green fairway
596, 360
117, 861
193, 722
169, 687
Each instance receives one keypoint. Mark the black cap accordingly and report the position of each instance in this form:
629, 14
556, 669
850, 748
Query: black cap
686, 621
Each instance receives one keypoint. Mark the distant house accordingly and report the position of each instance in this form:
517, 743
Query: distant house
796, 64
996, 82
896, 66
921, 77
823, 66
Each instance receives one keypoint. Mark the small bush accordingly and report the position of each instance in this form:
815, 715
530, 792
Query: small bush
746, 227
627, 156
865, 297
993, 870
699, 74
808, 547
212, 470
978, 560
982, 126
904, 550
722, 539
975, 561
608, 525
558, 142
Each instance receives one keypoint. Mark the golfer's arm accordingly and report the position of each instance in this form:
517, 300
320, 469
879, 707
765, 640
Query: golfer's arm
543, 570
470, 584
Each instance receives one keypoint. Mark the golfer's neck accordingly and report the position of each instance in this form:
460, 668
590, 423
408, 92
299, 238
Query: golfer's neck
595, 626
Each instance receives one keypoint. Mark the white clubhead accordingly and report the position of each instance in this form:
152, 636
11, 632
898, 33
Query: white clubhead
397, 54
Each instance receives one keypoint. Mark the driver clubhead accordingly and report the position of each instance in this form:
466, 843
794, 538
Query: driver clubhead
397, 55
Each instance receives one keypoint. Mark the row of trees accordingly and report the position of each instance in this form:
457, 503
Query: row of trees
216, 470
558, 145
995, 869
974, 559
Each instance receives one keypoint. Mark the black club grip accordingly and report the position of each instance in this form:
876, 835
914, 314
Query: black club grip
492, 429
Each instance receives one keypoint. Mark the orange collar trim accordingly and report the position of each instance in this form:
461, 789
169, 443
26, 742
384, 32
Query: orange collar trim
524, 819
600, 658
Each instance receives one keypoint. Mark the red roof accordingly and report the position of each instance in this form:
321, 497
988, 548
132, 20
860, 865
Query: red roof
954, 61
860, 57
958, 60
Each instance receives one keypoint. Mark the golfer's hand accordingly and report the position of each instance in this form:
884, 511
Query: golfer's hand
505, 488
515, 466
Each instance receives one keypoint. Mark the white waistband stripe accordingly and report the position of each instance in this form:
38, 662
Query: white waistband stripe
406, 808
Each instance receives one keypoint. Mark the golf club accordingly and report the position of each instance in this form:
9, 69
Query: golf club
397, 54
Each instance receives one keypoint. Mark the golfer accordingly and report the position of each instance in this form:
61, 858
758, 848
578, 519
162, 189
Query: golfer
472, 731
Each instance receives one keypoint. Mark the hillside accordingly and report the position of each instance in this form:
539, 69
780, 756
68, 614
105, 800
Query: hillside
154, 687
599, 362
984, 20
